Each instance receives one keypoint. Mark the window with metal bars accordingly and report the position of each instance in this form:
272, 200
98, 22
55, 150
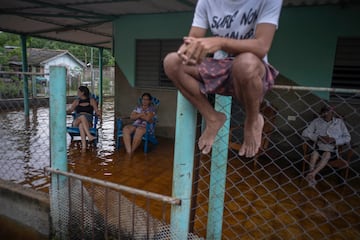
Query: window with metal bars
150, 54
346, 71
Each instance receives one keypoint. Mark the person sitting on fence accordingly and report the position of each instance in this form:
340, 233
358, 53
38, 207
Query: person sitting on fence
231, 62
84, 107
142, 114
327, 131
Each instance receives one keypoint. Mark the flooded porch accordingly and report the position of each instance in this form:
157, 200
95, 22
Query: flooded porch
271, 201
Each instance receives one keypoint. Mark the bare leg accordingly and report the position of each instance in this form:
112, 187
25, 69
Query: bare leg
139, 133
322, 163
127, 131
82, 120
83, 137
314, 157
315, 169
248, 71
184, 77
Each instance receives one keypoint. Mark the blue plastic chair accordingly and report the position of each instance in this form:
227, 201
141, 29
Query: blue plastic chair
75, 132
149, 135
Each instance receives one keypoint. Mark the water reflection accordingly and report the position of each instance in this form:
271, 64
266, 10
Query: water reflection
25, 145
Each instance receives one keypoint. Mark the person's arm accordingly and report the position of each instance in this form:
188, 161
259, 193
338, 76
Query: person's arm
148, 116
196, 47
310, 131
259, 46
72, 107
134, 115
345, 136
95, 106
187, 50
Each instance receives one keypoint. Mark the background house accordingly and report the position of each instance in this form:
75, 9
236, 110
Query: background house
40, 60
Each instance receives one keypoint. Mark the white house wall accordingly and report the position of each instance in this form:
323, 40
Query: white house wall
64, 60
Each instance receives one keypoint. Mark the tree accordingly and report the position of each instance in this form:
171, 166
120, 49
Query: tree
82, 52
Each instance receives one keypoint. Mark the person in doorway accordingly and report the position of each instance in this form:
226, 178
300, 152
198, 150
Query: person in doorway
231, 62
84, 107
142, 114
327, 131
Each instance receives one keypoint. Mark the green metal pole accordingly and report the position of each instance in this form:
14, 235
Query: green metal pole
185, 134
218, 172
58, 117
58, 154
33, 83
25, 69
101, 50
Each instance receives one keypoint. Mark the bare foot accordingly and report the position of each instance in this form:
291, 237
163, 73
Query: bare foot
252, 138
128, 156
207, 138
311, 179
91, 139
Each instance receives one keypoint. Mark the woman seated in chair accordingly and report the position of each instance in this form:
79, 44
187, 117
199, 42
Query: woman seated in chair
328, 132
84, 107
142, 114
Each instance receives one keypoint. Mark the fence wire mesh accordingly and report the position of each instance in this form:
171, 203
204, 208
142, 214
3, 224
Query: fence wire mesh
84, 209
268, 197
25, 141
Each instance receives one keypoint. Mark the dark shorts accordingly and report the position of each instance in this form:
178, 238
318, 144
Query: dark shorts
89, 117
216, 77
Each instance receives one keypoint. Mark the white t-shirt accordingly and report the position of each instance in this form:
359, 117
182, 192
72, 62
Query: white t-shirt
236, 19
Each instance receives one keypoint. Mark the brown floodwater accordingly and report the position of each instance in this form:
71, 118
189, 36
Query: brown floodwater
25, 145
25, 152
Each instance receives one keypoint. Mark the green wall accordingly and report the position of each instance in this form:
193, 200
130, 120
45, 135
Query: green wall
305, 44
303, 49
157, 26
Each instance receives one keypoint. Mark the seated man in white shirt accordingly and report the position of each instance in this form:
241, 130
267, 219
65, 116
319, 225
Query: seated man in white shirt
327, 131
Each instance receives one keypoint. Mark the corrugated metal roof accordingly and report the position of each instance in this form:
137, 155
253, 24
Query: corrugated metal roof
37, 57
89, 22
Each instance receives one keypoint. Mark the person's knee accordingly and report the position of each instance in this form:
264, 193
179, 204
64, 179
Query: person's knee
140, 131
326, 155
171, 61
246, 66
315, 155
128, 129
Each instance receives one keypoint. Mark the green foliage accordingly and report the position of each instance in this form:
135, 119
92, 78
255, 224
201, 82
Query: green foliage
8, 40
11, 90
82, 52
79, 51
12, 87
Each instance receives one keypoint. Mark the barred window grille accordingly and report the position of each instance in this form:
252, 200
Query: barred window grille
346, 72
150, 54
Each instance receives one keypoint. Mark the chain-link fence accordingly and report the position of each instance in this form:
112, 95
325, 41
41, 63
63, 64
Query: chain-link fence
86, 208
25, 126
268, 197
25, 138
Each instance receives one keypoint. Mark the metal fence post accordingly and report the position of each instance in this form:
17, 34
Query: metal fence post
183, 166
25, 77
58, 152
101, 50
218, 172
